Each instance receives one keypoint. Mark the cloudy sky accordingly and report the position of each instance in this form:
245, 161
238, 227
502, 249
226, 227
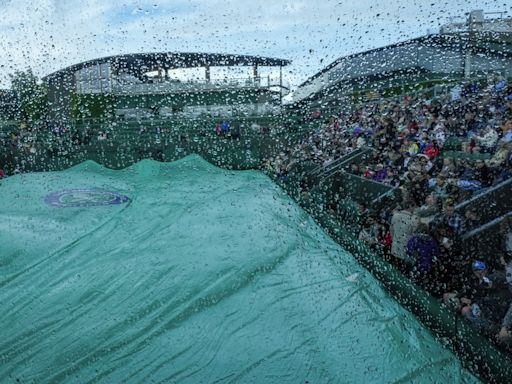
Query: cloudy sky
47, 35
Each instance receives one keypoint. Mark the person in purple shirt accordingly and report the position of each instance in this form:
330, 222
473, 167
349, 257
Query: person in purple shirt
423, 250
380, 173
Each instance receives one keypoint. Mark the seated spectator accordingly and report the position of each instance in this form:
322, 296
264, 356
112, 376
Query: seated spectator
354, 169
501, 155
425, 164
504, 171
396, 159
385, 240
440, 133
370, 232
432, 150
506, 129
361, 141
417, 185
380, 173
392, 179
411, 147
466, 180
488, 140
488, 289
483, 174
439, 187
472, 218
449, 169
504, 336
368, 173
412, 164
479, 282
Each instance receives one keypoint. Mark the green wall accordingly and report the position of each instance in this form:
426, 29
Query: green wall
101, 105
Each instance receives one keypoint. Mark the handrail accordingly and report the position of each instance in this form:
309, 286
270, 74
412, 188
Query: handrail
359, 155
499, 195
484, 227
334, 164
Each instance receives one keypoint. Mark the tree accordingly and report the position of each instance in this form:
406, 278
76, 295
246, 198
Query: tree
31, 96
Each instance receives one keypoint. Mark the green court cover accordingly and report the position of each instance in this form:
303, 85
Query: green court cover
187, 273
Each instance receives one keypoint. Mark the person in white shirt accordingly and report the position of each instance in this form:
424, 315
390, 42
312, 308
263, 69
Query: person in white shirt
488, 140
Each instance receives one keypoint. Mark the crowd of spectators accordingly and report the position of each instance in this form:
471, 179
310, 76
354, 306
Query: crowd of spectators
437, 153
23, 144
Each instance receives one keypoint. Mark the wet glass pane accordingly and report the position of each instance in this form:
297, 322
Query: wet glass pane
272, 192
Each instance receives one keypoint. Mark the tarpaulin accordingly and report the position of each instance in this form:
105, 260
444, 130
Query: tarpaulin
187, 273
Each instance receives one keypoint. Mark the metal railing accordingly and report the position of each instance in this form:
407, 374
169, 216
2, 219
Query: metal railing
169, 86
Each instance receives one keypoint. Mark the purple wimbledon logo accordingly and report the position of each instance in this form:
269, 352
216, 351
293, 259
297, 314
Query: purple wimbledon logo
87, 197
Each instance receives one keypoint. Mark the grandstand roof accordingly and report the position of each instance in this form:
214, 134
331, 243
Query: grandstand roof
139, 63
487, 42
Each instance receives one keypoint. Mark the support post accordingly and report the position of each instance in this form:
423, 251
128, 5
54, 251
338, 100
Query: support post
281, 85
207, 73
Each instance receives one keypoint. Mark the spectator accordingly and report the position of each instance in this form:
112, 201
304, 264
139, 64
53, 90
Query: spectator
450, 269
354, 169
370, 232
487, 142
432, 150
506, 262
424, 251
392, 179
380, 173
224, 127
449, 169
428, 210
506, 233
472, 218
483, 174
404, 223
439, 187
418, 186
449, 217
504, 336
506, 129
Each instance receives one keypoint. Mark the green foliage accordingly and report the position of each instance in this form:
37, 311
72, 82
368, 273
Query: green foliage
92, 106
31, 96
